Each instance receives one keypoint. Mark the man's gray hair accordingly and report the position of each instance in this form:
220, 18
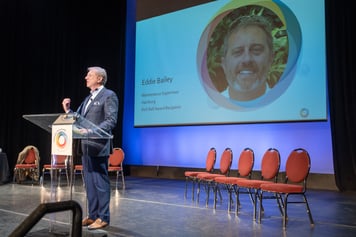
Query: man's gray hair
100, 72
245, 21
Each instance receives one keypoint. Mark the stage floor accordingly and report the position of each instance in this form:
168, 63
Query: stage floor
157, 207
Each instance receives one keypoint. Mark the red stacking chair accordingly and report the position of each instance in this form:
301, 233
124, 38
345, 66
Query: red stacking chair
116, 159
59, 164
244, 171
191, 175
207, 179
270, 165
295, 184
28, 165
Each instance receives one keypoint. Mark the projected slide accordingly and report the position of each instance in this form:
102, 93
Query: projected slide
228, 62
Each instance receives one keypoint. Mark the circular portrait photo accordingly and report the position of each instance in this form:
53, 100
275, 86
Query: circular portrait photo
245, 53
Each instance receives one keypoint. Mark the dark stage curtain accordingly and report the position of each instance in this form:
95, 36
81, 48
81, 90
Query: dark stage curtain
46, 48
342, 90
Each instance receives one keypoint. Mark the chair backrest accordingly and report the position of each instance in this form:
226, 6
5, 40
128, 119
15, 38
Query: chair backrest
298, 166
116, 157
60, 159
29, 155
246, 162
270, 164
210, 160
226, 161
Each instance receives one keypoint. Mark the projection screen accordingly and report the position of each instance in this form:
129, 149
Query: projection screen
183, 75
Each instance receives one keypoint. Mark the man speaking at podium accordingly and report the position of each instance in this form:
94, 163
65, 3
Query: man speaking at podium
100, 108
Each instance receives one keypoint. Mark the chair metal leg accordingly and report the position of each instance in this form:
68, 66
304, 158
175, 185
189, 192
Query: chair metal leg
285, 211
230, 201
187, 179
280, 202
285, 204
117, 179
215, 190
236, 203
67, 175
123, 180
81, 173
186, 186
198, 191
207, 189
58, 171
260, 208
220, 196
193, 189
255, 204
236, 189
308, 210
15, 174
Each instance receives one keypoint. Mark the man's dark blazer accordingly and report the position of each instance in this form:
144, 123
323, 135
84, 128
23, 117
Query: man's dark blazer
103, 112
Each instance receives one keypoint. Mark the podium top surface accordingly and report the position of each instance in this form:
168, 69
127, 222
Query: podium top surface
78, 122
43, 121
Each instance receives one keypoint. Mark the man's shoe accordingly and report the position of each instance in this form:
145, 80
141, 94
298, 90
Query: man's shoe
87, 221
98, 224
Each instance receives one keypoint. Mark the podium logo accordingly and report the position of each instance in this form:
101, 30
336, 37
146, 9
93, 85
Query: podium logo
61, 139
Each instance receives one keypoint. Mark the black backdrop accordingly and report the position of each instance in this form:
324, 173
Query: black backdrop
46, 47
342, 90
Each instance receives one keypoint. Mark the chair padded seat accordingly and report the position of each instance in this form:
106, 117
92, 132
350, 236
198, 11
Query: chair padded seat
115, 168
193, 173
251, 183
282, 187
209, 176
25, 166
227, 180
48, 166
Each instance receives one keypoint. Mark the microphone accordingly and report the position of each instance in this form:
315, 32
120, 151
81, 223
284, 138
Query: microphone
76, 116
